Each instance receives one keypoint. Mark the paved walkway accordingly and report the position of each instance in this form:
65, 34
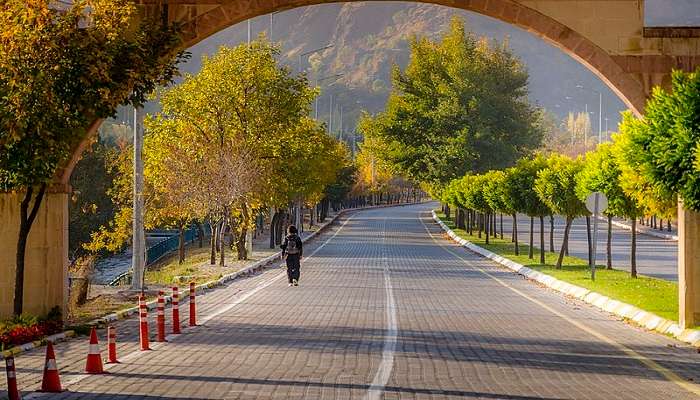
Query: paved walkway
388, 308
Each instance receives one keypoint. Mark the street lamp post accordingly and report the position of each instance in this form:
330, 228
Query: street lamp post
310, 52
138, 245
600, 110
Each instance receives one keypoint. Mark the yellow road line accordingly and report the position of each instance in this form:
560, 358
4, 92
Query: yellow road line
665, 372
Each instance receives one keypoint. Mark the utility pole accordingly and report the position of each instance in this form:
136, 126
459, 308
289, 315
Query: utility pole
585, 132
330, 116
138, 257
600, 117
248, 32
341, 122
272, 21
354, 139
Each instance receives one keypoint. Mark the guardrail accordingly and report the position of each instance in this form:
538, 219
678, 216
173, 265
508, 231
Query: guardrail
159, 250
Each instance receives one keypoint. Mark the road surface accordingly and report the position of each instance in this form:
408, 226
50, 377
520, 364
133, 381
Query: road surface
388, 308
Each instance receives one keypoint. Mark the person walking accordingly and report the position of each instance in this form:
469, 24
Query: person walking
292, 251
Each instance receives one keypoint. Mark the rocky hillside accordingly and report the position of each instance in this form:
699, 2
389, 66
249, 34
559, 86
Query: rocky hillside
368, 37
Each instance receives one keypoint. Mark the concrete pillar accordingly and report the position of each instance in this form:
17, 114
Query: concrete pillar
688, 267
46, 262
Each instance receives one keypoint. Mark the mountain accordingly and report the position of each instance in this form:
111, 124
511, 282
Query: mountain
368, 37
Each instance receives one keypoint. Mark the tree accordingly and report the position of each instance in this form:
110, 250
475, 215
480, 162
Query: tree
236, 129
458, 103
556, 187
669, 138
521, 189
90, 206
472, 192
602, 173
61, 70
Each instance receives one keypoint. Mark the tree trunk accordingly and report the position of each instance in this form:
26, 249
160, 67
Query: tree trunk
241, 249
494, 225
25, 225
273, 226
551, 233
515, 234
590, 240
487, 223
214, 234
279, 228
200, 234
608, 247
222, 243
501, 216
633, 252
181, 244
565, 243
542, 250
530, 251
481, 223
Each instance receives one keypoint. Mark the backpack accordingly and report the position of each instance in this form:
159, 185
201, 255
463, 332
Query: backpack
292, 246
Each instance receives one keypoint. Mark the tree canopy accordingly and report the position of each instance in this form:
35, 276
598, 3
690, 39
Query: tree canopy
668, 138
459, 106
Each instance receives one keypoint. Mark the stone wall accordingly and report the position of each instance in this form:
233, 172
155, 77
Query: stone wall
46, 263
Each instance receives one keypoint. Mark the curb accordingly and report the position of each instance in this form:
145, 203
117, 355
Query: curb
629, 312
648, 232
151, 305
59, 337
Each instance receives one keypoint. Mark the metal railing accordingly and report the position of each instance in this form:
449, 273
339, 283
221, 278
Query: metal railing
160, 249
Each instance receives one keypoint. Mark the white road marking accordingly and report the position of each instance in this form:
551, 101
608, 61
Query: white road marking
651, 364
383, 374
171, 338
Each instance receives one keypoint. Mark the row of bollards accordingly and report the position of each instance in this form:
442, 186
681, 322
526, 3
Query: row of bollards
51, 381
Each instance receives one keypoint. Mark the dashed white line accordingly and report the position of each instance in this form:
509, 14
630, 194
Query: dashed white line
383, 374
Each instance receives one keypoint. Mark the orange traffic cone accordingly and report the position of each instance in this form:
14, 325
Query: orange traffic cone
93, 365
112, 345
193, 310
51, 382
12, 391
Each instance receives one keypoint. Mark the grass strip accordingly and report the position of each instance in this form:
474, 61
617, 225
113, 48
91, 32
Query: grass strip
649, 294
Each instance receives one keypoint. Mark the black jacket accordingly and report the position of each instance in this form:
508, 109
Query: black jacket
296, 238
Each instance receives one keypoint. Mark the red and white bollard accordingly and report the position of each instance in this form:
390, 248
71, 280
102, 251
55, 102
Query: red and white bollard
112, 345
176, 311
143, 320
193, 309
12, 391
160, 317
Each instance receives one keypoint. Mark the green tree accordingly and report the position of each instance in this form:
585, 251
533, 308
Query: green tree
602, 173
90, 206
521, 189
460, 106
62, 69
556, 187
669, 138
472, 193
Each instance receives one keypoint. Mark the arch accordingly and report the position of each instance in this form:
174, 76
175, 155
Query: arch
597, 60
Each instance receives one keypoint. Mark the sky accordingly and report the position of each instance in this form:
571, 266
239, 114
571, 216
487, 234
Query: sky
672, 13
